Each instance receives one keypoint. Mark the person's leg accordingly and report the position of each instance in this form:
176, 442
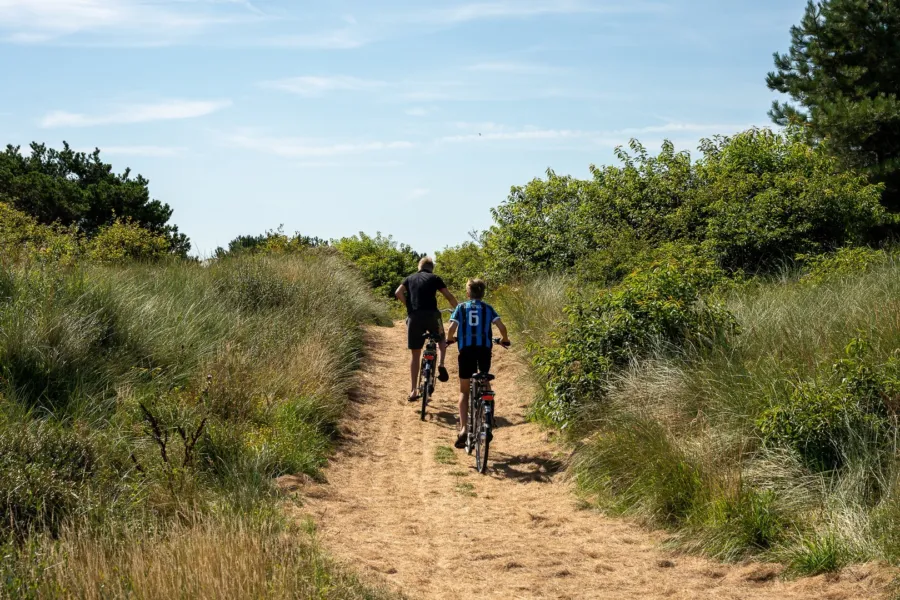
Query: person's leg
464, 385
414, 342
415, 358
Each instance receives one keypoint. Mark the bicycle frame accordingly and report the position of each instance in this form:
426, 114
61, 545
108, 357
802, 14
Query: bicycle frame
426, 372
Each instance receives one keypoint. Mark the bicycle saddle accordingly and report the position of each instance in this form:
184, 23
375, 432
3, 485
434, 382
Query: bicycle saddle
483, 376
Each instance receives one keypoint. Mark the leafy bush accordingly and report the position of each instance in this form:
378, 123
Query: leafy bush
659, 305
23, 238
839, 411
271, 242
750, 202
820, 268
44, 473
458, 264
126, 241
78, 189
382, 261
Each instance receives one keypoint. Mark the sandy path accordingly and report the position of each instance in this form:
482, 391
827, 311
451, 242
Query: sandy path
433, 530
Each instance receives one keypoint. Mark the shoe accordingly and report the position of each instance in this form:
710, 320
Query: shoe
443, 376
461, 440
412, 397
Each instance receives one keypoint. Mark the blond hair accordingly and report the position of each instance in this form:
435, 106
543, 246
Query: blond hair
426, 264
476, 288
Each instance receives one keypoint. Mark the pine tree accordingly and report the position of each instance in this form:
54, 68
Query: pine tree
843, 73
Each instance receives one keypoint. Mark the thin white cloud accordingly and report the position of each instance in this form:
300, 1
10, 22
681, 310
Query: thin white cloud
317, 86
149, 151
418, 111
35, 21
526, 134
339, 39
308, 148
514, 68
492, 132
506, 9
343, 164
417, 193
136, 113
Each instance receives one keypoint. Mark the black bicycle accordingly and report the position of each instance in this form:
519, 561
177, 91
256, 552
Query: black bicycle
427, 370
481, 417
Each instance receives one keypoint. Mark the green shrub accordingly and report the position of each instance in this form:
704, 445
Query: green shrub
844, 262
125, 241
458, 264
23, 238
751, 202
741, 524
659, 306
840, 411
383, 262
44, 474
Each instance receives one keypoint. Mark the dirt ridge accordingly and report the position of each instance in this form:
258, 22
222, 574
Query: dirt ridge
393, 512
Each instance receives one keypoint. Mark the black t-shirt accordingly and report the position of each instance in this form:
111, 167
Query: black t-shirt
421, 288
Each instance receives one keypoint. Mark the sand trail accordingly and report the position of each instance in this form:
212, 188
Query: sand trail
394, 512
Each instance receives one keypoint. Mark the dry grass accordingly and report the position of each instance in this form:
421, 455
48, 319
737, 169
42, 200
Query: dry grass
205, 562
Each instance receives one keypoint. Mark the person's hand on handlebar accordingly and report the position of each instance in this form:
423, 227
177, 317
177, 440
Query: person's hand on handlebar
504, 341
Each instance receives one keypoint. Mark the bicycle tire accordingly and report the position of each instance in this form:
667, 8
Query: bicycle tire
482, 440
426, 391
470, 419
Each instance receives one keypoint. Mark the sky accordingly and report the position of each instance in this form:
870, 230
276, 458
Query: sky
409, 118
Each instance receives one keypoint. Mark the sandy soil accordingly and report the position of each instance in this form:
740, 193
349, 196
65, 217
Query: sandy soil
391, 510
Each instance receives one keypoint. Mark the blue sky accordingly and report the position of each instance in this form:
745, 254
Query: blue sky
409, 118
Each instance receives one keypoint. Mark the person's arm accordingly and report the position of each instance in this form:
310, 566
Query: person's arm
503, 332
451, 331
454, 324
450, 297
400, 294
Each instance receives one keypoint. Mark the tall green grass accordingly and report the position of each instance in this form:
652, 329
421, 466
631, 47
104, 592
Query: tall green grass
678, 439
159, 398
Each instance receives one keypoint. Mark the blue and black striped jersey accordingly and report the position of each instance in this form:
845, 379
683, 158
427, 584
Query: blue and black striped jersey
474, 319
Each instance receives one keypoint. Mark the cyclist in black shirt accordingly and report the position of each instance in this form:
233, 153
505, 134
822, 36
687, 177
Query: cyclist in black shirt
418, 292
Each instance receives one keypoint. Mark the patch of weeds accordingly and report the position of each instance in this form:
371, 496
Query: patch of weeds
818, 554
459, 473
466, 489
444, 455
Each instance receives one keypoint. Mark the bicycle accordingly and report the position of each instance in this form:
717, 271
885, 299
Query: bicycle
426, 371
480, 418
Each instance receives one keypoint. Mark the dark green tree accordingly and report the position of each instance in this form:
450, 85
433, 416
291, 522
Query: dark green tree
77, 188
843, 73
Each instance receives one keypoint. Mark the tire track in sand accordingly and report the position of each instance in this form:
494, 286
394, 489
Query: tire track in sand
392, 512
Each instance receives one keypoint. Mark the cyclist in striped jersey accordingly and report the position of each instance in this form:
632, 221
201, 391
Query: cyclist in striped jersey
474, 321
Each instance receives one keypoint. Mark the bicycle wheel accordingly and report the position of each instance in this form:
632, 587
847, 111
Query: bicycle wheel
426, 389
470, 419
482, 439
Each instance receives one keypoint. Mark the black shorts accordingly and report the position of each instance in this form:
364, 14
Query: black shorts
474, 359
420, 322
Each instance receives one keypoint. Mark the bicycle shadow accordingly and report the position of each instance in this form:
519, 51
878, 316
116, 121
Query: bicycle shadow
449, 419
524, 468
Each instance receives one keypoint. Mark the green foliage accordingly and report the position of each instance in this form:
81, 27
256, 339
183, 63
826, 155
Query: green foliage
839, 412
23, 238
126, 241
76, 188
460, 263
750, 202
640, 470
271, 242
843, 72
660, 307
817, 554
382, 261
45, 473
845, 262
